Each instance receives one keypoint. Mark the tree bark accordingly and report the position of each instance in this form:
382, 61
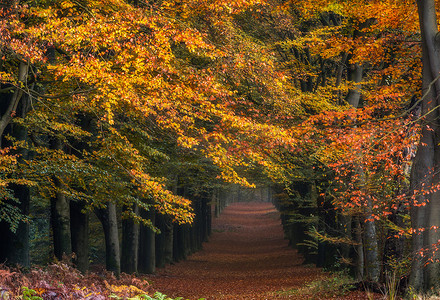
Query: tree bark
372, 266
147, 245
354, 95
370, 254
164, 241
359, 249
109, 222
60, 216
425, 169
79, 230
178, 243
11, 109
14, 246
130, 245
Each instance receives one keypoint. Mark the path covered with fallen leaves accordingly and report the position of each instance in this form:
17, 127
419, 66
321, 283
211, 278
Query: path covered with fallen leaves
246, 258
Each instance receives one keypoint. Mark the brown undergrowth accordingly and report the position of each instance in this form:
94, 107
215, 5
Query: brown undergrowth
61, 281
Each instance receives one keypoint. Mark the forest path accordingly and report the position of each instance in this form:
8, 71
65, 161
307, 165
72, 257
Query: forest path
246, 257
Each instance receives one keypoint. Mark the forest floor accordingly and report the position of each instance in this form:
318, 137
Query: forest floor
248, 258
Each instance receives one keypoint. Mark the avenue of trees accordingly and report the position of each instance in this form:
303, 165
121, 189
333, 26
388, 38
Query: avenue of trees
138, 119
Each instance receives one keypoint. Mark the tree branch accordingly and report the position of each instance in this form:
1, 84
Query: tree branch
6, 118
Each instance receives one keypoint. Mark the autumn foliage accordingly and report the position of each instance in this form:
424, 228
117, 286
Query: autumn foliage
60, 281
156, 105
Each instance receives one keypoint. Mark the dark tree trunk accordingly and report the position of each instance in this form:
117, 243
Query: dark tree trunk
196, 227
359, 250
109, 222
187, 240
60, 221
426, 165
79, 230
14, 246
179, 243
130, 245
346, 228
147, 245
60, 216
164, 241
395, 244
209, 219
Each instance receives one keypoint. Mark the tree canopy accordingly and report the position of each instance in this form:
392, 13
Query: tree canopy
125, 102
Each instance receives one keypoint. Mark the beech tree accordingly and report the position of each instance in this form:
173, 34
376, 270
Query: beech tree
114, 79
140, 112
424, 172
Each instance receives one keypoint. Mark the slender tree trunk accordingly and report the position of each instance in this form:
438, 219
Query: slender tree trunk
147, 245
209, 219
164, 241
187, 240
354, 95
14, 246
339, 73
11, 108
130, 245
109, 222
79, 217
204, 235
178, 243
370, 258
346, 227
79, 230
372, 266
60, 215
359, 249
21, 192
197, 226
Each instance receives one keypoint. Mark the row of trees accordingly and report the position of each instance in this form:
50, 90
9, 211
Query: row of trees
364, 194
133, 113
131, 107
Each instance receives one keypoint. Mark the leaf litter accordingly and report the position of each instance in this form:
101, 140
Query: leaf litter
246, 258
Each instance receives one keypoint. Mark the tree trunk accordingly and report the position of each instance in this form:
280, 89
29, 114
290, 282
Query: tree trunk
346, 229
370, 255
186, 246
130, 245
178, 243
14, 246
12, 105
60, 215
354, 95
147, 245
109, 222
209, 219
372, 266
79, 230
359, 249
339, 73
425, 169
164, 241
